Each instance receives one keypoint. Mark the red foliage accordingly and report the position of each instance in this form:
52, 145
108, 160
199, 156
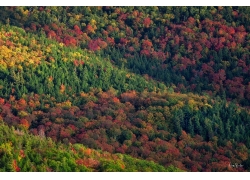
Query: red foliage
76, 63
64, 133
51, 34
123, 41
177, 39
191, 21
41, 8
233, 45
145, 52
206, 68
21, 153
147, 44
69, 41
77, 30
159, 55
231, 30
111, 41
72, 127
46, 28
15, 167
97, 44
241, 29
147, 22
236, 87
54, 26
33, 26
89, 29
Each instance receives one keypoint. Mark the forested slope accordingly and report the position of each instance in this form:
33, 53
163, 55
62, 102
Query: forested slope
21, 152
140, 81
198, 49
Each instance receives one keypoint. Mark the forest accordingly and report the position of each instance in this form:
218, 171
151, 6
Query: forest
124, 89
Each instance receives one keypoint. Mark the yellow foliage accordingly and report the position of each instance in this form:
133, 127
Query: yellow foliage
59, 120
11, 64
180, 104
65, 59
92, 22
48, 49
26, 12
12, 52
61, 44
208, 105
23, 114
20, 67
19, 158
191, 102
6, 147
77, 17
128, 75
66, 104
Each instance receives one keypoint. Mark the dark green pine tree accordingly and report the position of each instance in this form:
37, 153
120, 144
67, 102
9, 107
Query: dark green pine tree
84, 79
197, 125
208, 129
177, 124
237, 133
190, 127
221, 130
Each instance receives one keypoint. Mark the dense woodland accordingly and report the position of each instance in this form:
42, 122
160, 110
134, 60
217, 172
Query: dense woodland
20, 151
124, 88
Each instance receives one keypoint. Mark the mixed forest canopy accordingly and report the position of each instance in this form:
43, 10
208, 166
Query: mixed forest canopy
148, 88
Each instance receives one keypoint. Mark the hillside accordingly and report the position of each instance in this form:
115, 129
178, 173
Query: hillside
116, 85
198, 49
21, 152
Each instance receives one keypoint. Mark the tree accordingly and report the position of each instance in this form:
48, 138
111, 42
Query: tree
147, 22
177, 123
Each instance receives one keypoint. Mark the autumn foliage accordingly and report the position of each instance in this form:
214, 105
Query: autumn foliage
162, 84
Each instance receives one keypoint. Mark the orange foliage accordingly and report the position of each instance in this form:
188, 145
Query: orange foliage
50, 78
122, 166
2, 101
221, 32
135, 13
90, 29
116, 100
146, 44
22, 102
88, 162
25, 123
88, 152
62, 88
127, 96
